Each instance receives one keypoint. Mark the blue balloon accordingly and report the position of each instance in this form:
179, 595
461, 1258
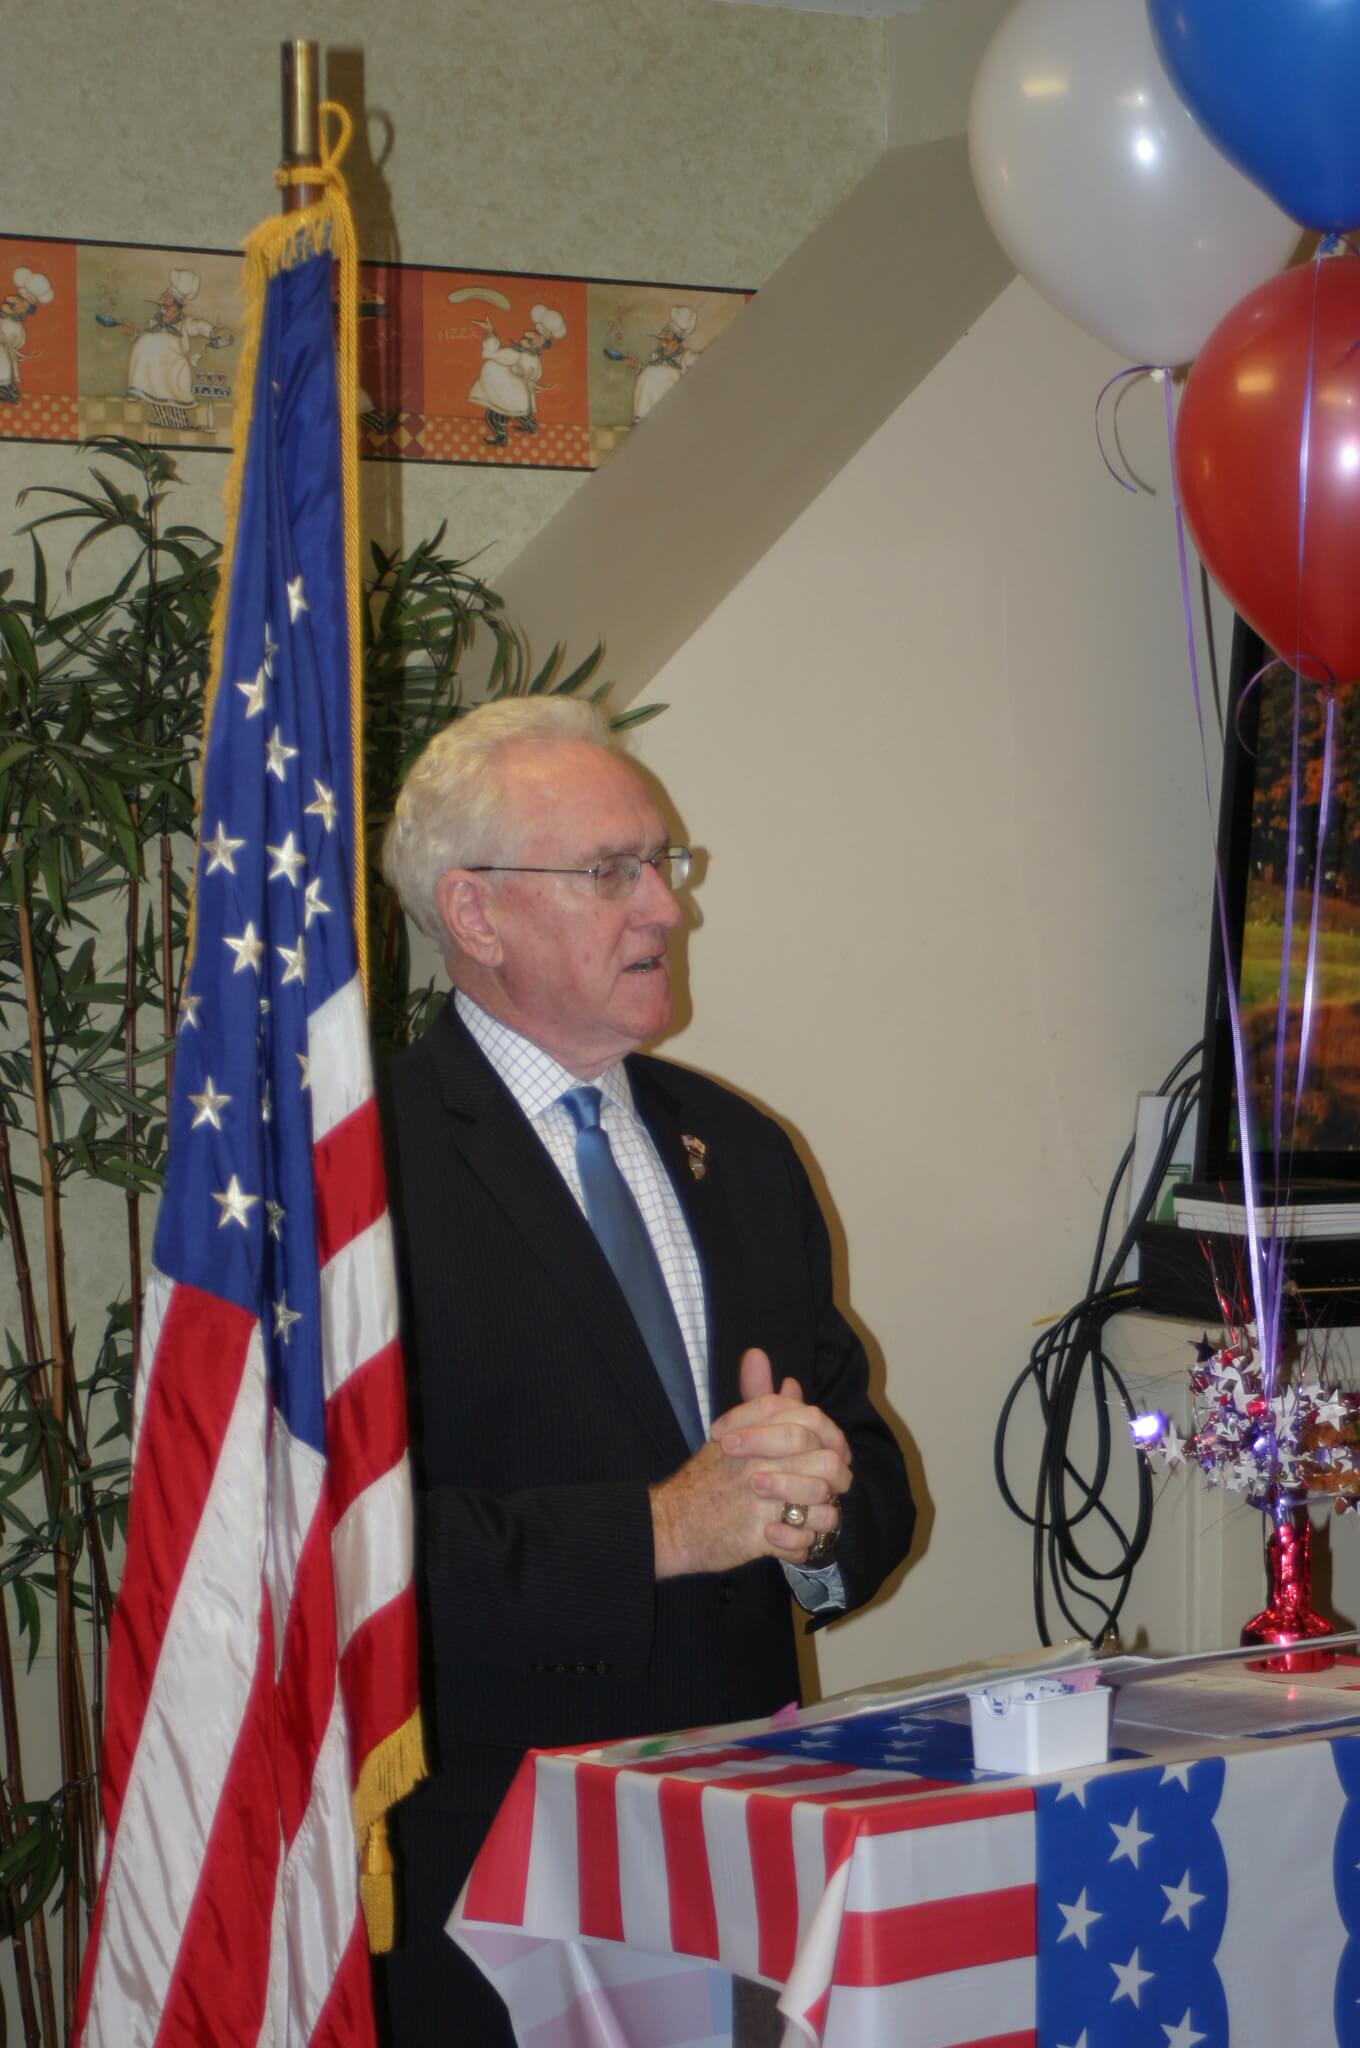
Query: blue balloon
1274, 84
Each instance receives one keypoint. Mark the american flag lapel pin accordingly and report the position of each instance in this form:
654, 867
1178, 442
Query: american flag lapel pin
696, 1151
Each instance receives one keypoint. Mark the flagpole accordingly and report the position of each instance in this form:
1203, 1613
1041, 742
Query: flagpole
299, 68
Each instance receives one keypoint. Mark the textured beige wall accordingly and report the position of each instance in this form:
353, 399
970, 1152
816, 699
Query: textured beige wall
860, 312
690, 142
932, 56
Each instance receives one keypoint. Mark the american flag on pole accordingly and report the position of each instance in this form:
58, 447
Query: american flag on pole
902, 1900
263, 1706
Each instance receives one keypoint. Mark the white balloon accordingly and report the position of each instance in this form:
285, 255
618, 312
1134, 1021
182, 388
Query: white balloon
1103, 191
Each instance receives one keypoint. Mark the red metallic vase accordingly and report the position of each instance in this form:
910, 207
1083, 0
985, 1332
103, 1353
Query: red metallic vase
1288, 1617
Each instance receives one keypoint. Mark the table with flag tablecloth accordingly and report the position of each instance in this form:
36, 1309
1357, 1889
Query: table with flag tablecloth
899, 1897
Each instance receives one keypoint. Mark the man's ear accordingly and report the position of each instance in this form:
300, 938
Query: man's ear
466, 914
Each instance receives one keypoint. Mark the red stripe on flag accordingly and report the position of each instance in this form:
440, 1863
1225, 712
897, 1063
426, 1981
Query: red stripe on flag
365, 1426
769, 1836
346, 2018
899, 1944
943, 1810
816, 2014
1028, 2039
769, 1781
597, 1852
657, 1766
379, 1675
219, 1989
347, 1168
185, 1416
306, 1682
500, 1875
694, 1918
879, 1789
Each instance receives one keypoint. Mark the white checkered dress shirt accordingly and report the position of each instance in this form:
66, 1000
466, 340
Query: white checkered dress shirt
538, 1082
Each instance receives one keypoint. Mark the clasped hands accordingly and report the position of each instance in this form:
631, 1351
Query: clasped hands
723, 1507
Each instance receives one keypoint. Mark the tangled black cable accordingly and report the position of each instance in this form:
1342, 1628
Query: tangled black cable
1056, 1366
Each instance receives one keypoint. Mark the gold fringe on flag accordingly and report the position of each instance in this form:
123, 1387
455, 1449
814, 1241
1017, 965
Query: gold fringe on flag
386, 1775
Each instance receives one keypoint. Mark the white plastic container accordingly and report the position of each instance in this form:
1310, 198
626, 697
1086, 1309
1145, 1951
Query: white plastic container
1034, 1726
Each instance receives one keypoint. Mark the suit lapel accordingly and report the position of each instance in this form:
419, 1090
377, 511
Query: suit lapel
499, 1146
703, 1197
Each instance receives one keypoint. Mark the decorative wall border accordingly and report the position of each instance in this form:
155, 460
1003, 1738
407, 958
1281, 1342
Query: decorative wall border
485, 368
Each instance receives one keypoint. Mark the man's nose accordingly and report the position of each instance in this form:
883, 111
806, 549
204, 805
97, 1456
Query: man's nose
655, 900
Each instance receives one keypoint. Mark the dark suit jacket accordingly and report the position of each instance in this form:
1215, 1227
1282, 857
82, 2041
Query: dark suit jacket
538, 1420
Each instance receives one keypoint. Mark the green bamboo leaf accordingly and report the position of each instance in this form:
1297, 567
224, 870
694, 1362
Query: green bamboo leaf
580, 674
638, 716
19, 642
19, 1860
43, 1880
50, 867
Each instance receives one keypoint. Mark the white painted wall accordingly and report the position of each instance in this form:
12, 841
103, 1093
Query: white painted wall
940, 745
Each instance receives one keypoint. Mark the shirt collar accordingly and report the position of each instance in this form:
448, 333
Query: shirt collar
535, 1079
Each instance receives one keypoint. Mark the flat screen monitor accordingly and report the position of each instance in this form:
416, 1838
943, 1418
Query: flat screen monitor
1253, 848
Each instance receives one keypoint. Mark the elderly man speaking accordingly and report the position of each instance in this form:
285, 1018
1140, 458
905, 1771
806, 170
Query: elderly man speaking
639, 1422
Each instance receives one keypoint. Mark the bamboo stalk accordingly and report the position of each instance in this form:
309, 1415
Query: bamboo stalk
14, 1798
58, 1503
11, 1825
169, 989
131, 1198
87, 1795
34, 1342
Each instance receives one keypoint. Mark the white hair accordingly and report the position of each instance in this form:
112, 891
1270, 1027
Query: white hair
451, 812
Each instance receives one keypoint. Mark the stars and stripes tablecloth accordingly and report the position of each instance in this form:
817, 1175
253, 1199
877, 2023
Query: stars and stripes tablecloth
899, 1897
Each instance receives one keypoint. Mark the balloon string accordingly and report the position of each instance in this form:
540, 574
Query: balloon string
1256, 1274
1138, 370
1282, 1163
1286, 938
1305, 445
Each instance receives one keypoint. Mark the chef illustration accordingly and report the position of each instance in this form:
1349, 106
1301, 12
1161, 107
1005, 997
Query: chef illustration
667, 363
161, 365
28, 290
507, 387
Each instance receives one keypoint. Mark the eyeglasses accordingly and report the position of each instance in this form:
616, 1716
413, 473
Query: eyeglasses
618, 874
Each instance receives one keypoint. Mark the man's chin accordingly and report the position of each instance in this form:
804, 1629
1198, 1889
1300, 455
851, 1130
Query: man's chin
649, 1003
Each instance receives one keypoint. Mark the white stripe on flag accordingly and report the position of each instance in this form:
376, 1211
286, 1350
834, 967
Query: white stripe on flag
154, 1304
193, 1717
809, 1864
552, 1899
567, 1989
818, 1941
734, 1890
1278, 1814
338, 1065
358, 1303
297, 1474
321, 1886
371, 1549
644, 1885
937, 2012
921, 1864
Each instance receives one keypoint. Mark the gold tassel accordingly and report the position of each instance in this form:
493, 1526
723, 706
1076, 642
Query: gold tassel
386, 1775
377, 1888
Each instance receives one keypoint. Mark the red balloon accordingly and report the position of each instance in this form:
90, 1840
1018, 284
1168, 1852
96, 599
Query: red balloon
1239, 439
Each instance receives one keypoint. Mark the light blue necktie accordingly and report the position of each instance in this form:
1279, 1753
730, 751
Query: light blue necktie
623, 1237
